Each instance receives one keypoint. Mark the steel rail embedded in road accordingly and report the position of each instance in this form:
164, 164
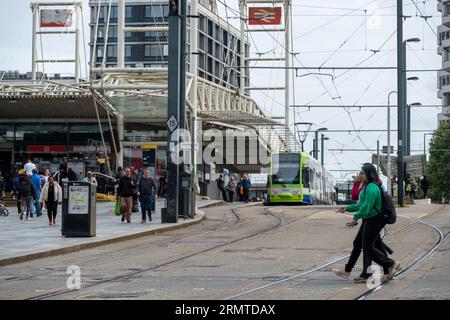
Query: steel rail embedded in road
320, 267
400, 275
142, 270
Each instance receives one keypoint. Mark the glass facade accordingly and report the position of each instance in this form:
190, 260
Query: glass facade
218, 46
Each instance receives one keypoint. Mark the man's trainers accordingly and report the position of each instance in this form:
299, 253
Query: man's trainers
21, 216
123, 219
342, 274
143, 221
393, 269
150, 218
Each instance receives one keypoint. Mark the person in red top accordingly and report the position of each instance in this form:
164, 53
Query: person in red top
357, 187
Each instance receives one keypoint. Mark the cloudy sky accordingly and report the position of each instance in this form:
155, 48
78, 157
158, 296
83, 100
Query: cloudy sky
326, 33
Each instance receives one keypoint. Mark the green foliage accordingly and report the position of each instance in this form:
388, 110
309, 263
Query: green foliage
438, 169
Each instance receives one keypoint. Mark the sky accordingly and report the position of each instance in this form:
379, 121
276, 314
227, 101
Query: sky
327, 33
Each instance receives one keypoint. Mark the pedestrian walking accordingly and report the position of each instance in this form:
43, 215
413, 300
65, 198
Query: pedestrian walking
425, 185
246, 185
125, 194
46, 175
357, 247
62, 174
51, 195
147, 189
29, 166
71, 175
231, 188
27, 194
357, 187
90, 178
221, 186
2, 186
37, 185
162, 190
367, 208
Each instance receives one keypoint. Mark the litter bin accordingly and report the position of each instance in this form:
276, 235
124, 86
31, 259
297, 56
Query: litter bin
79, 209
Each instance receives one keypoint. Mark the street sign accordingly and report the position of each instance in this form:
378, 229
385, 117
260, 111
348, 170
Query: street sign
264, 15
172, 123
385, 148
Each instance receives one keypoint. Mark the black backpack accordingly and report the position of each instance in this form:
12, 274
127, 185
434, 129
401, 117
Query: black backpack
25, 188
387, 207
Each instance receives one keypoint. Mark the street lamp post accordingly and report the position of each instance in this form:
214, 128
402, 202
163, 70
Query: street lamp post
316, 143
408, 126
322, 158
302, 139
401, 105
408, 118
389, 168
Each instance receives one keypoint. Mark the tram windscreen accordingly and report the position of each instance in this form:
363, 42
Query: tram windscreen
286, 169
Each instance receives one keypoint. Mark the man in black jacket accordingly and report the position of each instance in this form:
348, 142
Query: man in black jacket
146, 187
125, 194
27, 195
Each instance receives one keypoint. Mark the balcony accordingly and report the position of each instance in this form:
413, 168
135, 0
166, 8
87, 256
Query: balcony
446, 20
445, 43
443, 90
446, 66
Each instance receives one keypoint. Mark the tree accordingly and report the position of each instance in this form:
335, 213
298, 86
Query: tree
438, 169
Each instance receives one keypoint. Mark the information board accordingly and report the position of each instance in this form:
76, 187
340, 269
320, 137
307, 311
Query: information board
78, 199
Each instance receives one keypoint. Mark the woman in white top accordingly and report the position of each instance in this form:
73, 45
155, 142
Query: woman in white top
51, 195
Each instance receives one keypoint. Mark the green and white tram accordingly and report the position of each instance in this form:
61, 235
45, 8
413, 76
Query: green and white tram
300, 179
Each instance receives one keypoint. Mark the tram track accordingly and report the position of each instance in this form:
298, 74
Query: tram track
280, 221
127, 252
441, 240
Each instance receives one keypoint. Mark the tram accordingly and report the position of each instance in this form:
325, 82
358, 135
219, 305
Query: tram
298, 178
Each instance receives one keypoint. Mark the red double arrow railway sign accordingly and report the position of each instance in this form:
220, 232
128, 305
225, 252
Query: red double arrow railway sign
264, 15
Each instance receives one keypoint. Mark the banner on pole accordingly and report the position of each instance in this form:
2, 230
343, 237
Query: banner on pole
55, 18
264, 15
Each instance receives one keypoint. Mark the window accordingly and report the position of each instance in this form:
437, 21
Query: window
165, 10
127, 51
128, 12
112, 52
101, 32
148, 10
113, 12
100, 52
166, 50
147, 51
305, 177
157, 12
102, 13
112, 32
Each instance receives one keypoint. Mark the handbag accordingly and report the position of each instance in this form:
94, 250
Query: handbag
118, 208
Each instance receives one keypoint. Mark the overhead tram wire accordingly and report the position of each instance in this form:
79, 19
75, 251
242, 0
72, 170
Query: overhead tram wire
326, 89
348, 38
338, 18
282, 46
